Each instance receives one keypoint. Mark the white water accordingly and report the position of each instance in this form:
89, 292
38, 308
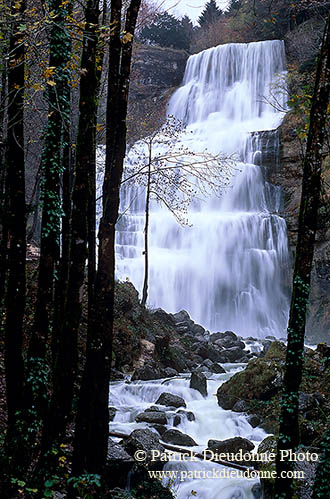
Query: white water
226, 269
211, 422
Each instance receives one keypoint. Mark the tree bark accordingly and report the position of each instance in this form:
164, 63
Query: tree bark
66, 362
15, 297
52, 168
146, 234
310, 198
91, 437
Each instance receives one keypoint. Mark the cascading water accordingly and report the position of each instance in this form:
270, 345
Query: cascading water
227, 268
211, 422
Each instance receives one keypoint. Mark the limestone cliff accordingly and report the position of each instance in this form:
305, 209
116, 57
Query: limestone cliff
156, 73
289, 177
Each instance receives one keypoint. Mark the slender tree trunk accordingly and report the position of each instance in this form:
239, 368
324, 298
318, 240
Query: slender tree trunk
3, 189
321, 483
92, 426
15, 228
146, 234
62, 281
92, 185
66, 362
310, 197
15, 298
59, 47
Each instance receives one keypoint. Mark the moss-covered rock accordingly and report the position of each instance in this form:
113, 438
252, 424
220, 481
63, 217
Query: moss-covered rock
259, 386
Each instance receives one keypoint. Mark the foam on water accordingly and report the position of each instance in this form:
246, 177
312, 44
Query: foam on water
226, 269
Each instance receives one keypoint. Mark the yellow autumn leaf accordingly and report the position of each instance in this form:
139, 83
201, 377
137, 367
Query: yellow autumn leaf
127, 37
51, 83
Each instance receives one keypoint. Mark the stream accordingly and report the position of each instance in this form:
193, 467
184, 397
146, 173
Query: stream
211, 422
228, 266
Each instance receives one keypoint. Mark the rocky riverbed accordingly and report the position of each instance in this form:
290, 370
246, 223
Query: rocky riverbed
191, 389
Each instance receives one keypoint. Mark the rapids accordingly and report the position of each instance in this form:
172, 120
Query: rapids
211, 421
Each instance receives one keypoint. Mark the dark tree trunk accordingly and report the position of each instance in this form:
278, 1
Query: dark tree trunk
15, 229
62, 281
3, 176
15, 297
52, 167
310, 197
92, 426
321, 483
66, 362
92, 186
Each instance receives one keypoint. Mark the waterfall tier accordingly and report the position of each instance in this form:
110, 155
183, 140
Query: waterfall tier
226, 267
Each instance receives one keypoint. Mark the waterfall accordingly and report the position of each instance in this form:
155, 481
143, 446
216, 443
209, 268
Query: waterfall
227, 268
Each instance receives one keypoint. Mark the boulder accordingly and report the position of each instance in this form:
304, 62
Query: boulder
254, 420
234, 353
240, 406
231, 445
208, 351
198, 382
257, 491
146, 373
223, 358
261, 380
143, 439
266, 346
170, 400
159, 428
176, 437
163, 316
188, 414
198, 330
177, 420
176, 357
116, 375
119, 464
158, 417
228, 342
181, 316
216, 368
207, 363
169, 372
112, 413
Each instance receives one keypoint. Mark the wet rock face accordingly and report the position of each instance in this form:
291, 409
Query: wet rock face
157, 417
260, 381
230, 445
145, 440
198, 382
119, 464
170, 400
176, 437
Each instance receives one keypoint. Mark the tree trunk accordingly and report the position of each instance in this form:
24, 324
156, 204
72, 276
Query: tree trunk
4, 201
146, 234
310, 197
52, 168
66, 362
92, 426
15, 298
92, 186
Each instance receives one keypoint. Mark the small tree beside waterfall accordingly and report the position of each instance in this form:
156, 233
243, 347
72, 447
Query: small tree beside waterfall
174, 175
